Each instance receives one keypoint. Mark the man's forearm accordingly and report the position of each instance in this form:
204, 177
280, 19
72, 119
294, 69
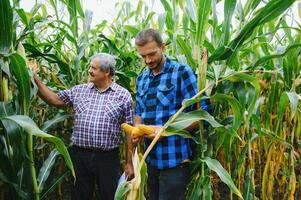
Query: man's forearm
130, 149
47, 95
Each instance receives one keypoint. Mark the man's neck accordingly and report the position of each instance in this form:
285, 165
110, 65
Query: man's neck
104, 85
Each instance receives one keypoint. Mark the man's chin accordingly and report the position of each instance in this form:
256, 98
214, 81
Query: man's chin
91, 79
154, 66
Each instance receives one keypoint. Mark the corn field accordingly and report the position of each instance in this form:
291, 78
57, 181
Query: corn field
248, 63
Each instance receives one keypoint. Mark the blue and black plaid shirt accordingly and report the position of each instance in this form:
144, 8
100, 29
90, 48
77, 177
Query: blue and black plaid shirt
158, 98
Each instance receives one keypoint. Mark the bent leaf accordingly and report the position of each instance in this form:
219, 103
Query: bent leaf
214, 165
31, 128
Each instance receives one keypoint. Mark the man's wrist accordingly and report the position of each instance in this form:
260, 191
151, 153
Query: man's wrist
36, 77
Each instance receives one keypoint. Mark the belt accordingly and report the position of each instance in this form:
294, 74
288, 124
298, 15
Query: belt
93, 150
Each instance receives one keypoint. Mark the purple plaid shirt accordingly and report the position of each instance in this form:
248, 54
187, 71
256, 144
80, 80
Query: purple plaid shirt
98, 115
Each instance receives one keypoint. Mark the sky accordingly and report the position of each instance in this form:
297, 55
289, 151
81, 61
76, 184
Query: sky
106, 10
102, 9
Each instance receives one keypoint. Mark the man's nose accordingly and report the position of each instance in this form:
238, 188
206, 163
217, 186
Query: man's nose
148, 60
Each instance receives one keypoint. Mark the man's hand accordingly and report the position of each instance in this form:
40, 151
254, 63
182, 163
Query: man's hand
133, 132
33, 66
129, 171
136, 139
44, 92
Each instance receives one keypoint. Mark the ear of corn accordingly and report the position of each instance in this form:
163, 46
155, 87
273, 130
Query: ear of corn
137, 132
128, 129
147, 130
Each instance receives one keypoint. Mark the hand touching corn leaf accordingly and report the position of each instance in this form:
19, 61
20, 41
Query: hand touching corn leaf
134, 189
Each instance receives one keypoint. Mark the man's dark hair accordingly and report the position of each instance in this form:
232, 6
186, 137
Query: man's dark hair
148, 35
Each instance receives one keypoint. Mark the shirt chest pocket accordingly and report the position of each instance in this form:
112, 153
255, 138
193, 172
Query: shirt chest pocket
81, 105
113, 110
166, 94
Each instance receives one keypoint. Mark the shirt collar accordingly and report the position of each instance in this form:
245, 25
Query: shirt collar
113, 86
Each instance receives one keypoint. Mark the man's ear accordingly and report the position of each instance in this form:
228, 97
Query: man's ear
107, 73
163, 45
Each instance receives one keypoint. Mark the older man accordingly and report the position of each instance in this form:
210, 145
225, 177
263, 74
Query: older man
100, 107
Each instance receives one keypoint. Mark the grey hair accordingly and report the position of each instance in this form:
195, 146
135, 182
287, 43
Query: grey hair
107, 62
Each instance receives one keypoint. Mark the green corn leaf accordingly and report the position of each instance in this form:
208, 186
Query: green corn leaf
270, 57
235, 105
242, 156
30, 127
87, 24
186, 119
207, 188
203, 11
220, 139
168, 17
228, 130
6, 26
248, 189
57, 180
161, 21
275, 137
293, 98
131, 29
121, 191
190, 7
79, 8
19, 68
215, 166
273, 9
15, 139
188, 102
18, 189
71, 5
250, 6
23, 16
51, 58
183, 133
282, 105
186, 50
46, 169
242, 77
50, 124
229, 8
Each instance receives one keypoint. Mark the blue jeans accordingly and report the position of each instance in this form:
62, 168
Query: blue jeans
93, 166
168, 184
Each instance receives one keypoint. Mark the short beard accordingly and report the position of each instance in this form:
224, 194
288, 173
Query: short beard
158, 65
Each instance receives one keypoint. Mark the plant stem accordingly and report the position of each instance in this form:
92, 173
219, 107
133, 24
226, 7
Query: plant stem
32, 168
